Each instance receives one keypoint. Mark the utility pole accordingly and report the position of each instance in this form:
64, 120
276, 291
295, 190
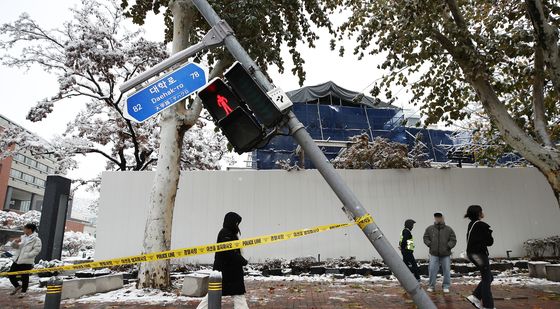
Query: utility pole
341, 189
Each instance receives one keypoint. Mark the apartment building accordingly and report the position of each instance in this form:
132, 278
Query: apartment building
22, 178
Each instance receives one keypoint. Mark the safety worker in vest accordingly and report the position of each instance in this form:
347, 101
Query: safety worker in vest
406, 244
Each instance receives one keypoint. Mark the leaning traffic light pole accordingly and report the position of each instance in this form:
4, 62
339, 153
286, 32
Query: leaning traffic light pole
341, 189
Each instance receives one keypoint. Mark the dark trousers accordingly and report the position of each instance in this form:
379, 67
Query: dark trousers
483, 290
24, 278
410, 261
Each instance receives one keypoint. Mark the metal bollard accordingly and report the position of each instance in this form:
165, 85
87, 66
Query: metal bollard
54, 293
215, 290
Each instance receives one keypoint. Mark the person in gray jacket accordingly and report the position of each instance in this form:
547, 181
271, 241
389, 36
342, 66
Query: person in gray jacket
440, 238
28, 247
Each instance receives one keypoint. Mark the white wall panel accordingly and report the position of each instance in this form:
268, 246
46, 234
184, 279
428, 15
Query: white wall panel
518, 203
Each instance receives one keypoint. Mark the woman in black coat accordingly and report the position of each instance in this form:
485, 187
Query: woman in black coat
230, 263
479, 238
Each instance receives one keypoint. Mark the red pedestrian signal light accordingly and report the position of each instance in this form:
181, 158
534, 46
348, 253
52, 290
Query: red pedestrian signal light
223, 104
230, 115
218, 99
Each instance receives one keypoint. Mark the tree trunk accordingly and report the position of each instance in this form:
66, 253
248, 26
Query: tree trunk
157, 234
175, 121
545, 158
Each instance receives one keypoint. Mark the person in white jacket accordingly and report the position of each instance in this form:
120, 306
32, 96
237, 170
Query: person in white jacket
28, 246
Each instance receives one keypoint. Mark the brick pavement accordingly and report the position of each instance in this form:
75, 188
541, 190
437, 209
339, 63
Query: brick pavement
327, 295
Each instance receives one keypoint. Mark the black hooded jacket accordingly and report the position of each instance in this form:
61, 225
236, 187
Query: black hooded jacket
231, 262
480, 238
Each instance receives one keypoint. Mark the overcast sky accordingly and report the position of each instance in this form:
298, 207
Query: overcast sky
21, 90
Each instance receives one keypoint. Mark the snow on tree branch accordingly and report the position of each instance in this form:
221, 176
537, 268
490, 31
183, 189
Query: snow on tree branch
419, 153
75, 241
485, 54
13, 220
15, 139
380, 153
90, 55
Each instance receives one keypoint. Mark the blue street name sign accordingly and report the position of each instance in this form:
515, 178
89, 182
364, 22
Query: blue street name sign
165, 92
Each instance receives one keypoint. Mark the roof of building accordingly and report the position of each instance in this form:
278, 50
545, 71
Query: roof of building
311, 93
11, 122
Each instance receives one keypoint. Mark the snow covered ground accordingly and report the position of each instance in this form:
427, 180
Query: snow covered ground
511, 278
326, 278
130, 294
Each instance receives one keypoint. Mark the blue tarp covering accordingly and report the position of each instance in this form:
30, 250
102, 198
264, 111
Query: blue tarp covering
340, 123
331, 113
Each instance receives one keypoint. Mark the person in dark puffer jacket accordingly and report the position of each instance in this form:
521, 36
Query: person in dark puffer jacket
479, 238
440, 238
230, 263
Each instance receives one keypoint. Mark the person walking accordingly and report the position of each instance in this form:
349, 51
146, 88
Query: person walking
479, 238
230, 263
440, 238
406, 245
28, 246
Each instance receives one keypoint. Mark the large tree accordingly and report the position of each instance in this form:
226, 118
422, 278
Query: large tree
90, 55
263, 28
455, 56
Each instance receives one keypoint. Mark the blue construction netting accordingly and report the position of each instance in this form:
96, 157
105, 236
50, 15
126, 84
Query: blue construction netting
437, 142
338, 123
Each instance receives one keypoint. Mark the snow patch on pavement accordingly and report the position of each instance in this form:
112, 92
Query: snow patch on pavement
324, 278
130, 294
338, 298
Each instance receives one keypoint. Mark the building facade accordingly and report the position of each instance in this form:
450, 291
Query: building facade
22, 178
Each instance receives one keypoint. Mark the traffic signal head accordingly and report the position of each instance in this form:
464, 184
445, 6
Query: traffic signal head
237, 124
253, 95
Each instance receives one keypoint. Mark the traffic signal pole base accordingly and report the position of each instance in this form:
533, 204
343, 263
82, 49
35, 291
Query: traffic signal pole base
351, 203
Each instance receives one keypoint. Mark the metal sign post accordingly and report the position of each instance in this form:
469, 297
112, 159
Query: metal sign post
214, 38
341, 189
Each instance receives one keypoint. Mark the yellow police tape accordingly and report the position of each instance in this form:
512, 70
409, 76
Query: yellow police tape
199, 250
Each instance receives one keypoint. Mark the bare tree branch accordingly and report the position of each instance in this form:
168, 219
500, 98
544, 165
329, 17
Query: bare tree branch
93, 150
457, 16
547, 35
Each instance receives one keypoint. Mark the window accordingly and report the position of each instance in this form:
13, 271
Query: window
28, 178
16, 174
39, 182
19, 157
42, 167
24, 205
30, 161
50, 170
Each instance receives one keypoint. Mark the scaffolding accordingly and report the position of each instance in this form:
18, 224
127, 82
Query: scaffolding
338, 115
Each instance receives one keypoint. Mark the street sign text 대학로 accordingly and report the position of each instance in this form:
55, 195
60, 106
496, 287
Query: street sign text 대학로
165, 92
